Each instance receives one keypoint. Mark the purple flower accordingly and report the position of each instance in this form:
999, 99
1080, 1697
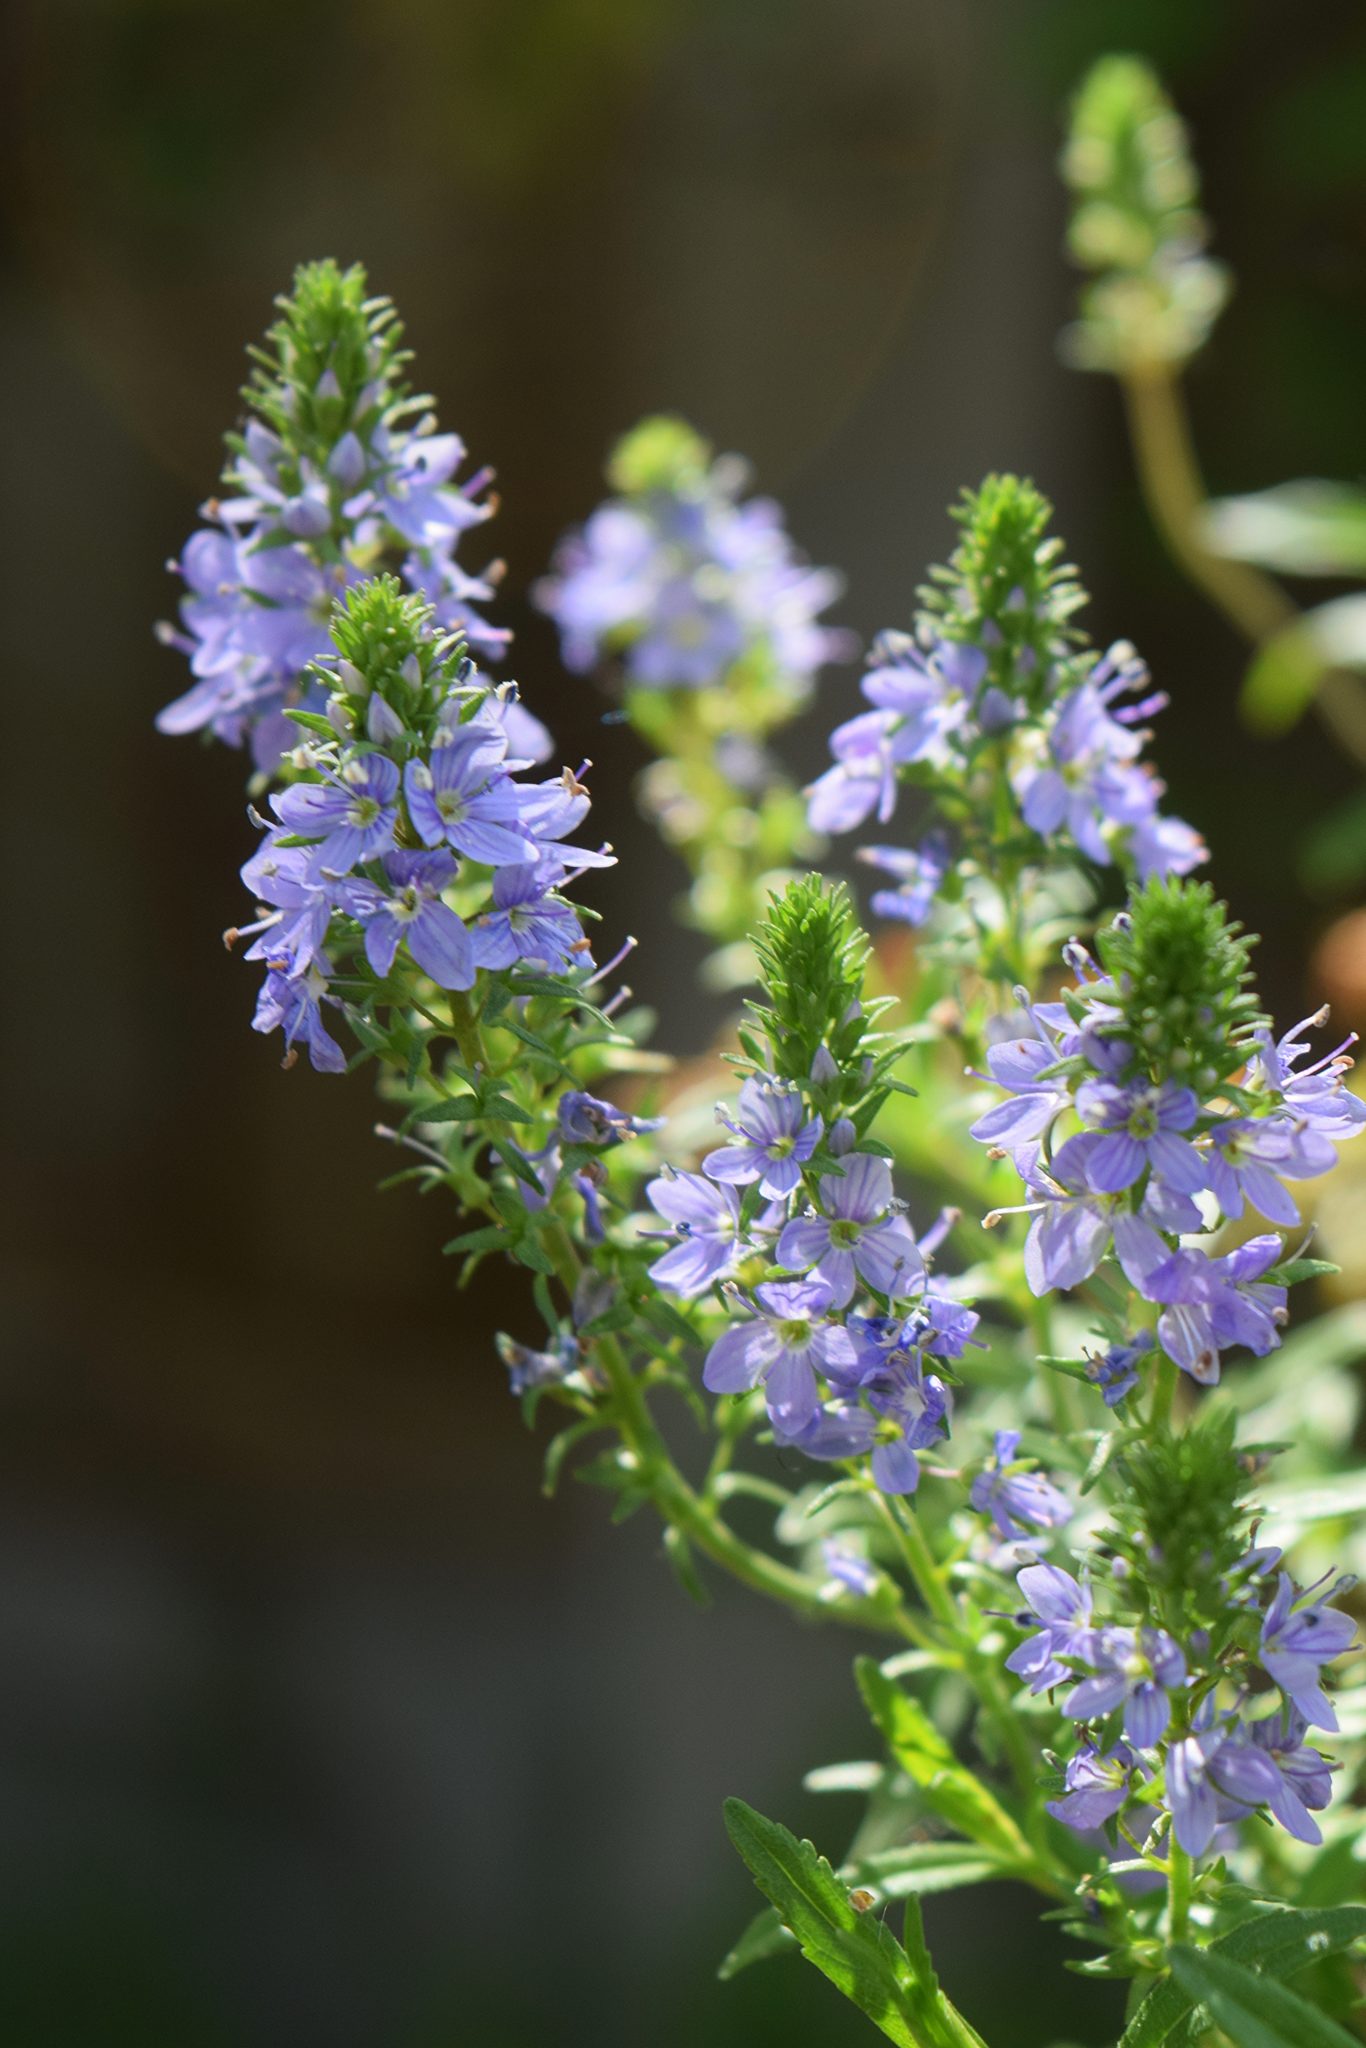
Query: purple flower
605, 581
259, 472
1298, 1638
463, 795
1095, 1784
941, 1325
1074, 1226
838, 1430
294, 1006
454, 596
1064, 1608
1141, 1122
1115, 1371
291, 934
863, 779
410, 909
528, 921
918, 875
1165, 846
1016, 1500
858, 1233
920, 701
690, 640
706, 1221
1251, 1157
915, 1411
550, 811
413, 493
1316, 1096
1136, 1669
528, 1369
776, 1138
1025, 1068
1089, 784
781, 1347
682, 582
351, 815
1270, 1764
1214, 1303
585, 1119
849, 1570
1190, 1790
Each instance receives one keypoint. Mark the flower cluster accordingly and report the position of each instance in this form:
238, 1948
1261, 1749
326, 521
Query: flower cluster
1150, 1105
1186, 1654
1171, 1728
1028, 748
844, 1333
338, 474
684, 584
406, 831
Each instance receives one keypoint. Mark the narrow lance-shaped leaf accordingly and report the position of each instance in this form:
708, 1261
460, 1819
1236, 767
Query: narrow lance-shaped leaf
1277, 1943
905, 1873
921, 1751
858, 1954
1254, 2011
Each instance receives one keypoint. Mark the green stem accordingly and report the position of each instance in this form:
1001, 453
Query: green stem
465, 1023
996, 1709
1175, 494
1179, 1874
1164, 1392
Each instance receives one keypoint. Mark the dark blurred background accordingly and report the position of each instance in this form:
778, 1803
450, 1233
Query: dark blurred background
317, 1724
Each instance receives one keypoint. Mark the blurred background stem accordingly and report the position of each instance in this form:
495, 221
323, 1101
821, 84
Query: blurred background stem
1175, 494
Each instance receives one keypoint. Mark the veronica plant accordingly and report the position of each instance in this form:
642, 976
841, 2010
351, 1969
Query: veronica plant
1008, 1453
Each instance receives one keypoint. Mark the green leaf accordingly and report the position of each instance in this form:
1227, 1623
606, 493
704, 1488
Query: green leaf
1321, 1500
929, 1867
1292, 1271
311, 721
1254, 2011
446, 1109
947, 1786
537, 1045
467, 1109
665, 1317
498, 1109
859, 1955
558, 1449
528, 1252
679, 1553
1287, 669
764, 1937
837, 1490
491, 1238
1281, 680
920, 1868
1307, 528
1278, 1943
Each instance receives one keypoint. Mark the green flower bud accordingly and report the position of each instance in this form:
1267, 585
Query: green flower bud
662, 453
811, 955
1182, 979
1007, 588
1135, 226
